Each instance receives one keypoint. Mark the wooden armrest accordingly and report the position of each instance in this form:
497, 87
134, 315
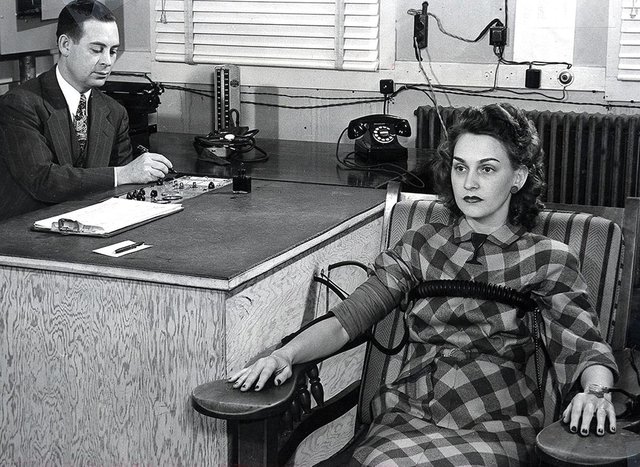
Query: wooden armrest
556, 445
218, 399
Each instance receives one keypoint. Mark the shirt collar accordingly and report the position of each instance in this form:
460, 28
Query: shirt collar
71, 95
504, 236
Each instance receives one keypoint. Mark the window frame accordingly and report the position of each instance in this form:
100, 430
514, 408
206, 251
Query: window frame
617, 90
252, 75
590, 78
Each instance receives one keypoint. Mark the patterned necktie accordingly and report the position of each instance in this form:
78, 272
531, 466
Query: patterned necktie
80, 122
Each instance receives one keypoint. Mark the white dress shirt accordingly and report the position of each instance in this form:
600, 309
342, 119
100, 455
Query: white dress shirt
72, 96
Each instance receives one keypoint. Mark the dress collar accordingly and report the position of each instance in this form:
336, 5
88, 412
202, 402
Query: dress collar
504, 236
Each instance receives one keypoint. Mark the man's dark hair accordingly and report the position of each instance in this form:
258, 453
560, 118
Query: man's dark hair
74, 14
519, 136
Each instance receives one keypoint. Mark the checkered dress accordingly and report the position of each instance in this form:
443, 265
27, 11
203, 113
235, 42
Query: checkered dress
462, 396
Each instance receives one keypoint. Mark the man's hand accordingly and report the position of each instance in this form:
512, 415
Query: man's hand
147, 167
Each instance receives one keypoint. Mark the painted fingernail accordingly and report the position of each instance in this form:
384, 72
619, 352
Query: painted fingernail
584, 431
277, 382
573, 429
613, 429
600, 431
257, 388
244, 386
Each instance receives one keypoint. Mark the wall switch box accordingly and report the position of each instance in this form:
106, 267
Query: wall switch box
498, 35
421, 26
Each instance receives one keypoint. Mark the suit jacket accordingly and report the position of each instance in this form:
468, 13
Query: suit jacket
38, 146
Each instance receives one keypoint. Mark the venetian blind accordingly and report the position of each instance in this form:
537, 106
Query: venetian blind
629, 56
329, 34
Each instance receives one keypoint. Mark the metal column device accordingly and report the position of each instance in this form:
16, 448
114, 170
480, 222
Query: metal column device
226, 84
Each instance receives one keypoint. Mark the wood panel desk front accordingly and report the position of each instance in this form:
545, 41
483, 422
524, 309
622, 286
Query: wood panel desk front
99, 355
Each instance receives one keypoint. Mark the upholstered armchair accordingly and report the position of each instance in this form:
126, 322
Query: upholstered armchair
265, 427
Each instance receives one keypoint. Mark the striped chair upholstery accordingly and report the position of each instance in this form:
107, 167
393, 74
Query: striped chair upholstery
597, 241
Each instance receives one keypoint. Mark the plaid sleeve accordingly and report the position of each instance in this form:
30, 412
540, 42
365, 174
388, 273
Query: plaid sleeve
399, 268
573, 336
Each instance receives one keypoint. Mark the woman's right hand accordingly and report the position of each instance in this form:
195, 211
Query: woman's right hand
257, 374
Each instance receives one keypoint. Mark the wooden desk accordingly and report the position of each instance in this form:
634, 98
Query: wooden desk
298, 161
99, 354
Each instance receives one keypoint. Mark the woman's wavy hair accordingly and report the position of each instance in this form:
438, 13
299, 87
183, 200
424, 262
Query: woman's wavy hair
520, 138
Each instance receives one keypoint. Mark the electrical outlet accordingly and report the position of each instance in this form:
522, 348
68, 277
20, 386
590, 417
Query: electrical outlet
386, 86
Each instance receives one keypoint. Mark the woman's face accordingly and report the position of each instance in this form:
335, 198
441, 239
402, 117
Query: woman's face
482, 176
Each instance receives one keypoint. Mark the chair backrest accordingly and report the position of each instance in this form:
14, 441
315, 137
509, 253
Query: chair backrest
603, 238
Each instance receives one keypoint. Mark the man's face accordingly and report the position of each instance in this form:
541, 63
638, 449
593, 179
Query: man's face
87, 63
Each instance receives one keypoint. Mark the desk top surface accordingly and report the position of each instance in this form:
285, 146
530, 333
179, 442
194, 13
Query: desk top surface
218, 235
297, 161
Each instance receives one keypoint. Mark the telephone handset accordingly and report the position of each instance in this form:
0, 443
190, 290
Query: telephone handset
377, 137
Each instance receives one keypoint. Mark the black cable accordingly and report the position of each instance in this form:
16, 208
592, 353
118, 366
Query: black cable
444, 90
235, 121
494, 21
290, 96
475, 92
471, 289
506, 13
384, 168
236, 155
634, 365
523, 302
240, 144
481, 93
190, 90
362, 101
326, 280
340, 264
498, 51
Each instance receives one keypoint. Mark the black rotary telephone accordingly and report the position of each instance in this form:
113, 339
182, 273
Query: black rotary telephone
377, 137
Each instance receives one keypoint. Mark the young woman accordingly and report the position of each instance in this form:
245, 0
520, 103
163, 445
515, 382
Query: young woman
462, 396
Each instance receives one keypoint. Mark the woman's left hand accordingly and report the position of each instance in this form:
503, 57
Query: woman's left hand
583, 407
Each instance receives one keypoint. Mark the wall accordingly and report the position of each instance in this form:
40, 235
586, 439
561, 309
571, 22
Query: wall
270, 108
18, 37
277, 115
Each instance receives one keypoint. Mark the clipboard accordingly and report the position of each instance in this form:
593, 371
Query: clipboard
107, 218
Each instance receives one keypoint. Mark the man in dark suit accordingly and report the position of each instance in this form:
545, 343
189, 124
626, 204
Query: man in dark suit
60, 137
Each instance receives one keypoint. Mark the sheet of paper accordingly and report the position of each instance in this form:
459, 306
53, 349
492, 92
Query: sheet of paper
111, 215
111, 249
544, 31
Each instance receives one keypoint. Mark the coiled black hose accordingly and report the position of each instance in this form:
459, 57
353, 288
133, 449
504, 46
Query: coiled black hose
466, 289
472, 289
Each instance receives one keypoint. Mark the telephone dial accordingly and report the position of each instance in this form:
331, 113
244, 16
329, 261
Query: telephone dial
377, 137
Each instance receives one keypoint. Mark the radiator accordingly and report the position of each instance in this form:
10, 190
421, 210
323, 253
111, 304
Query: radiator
591, 159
